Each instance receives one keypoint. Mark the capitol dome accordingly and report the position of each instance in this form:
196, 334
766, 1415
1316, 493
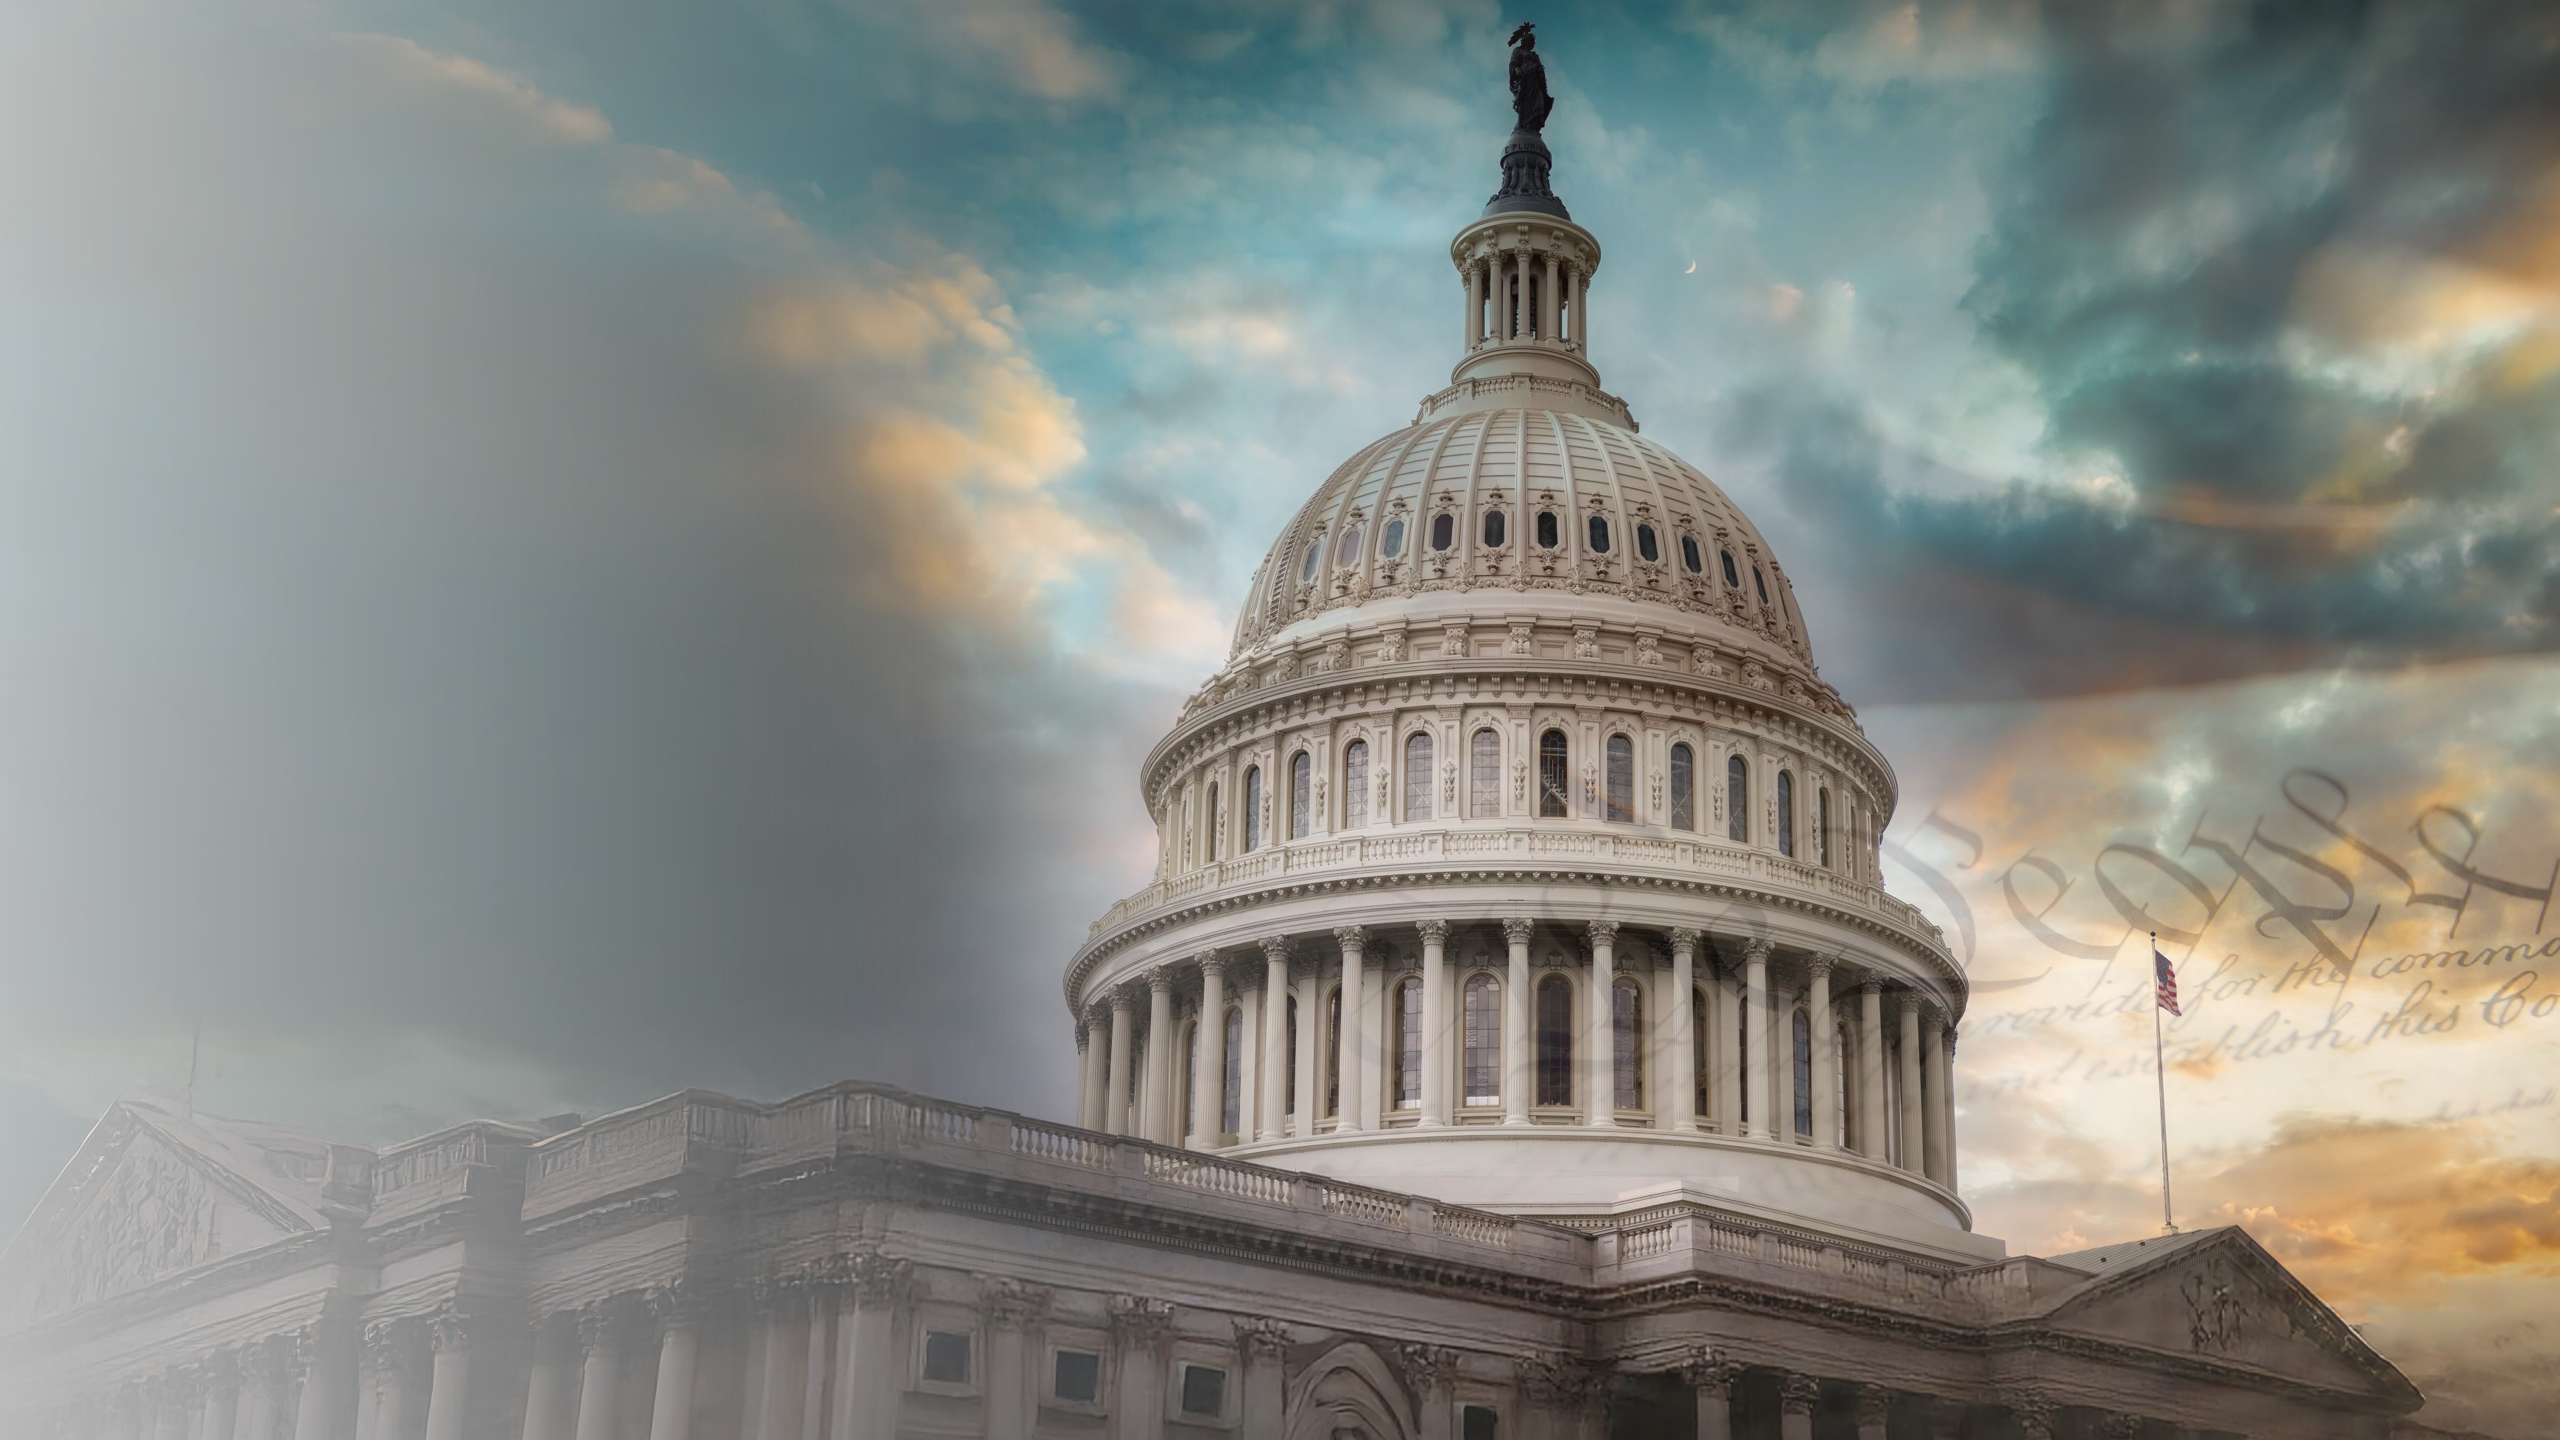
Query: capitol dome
1518, 855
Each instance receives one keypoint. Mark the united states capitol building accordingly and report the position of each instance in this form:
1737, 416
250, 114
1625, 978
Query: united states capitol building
1515, 1042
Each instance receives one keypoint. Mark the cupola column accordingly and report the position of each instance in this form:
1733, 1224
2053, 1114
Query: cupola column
1755, 1024
1310, 979
1435, 1023
1826, 1070
1157, 1112
1914, 1142
1601, 1066
1093, 1044
1349, 1074
1934, 1110
1272, 1123
1209, 1075
1473, 330
1516, 1059
1115, 1091
1550, 307
1675, 1104
1871, 1117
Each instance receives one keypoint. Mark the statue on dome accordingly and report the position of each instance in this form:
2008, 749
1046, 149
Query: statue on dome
1529, 98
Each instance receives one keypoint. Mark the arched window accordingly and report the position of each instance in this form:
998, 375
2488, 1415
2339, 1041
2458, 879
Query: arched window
1622, 778
1315, 557
1647, 546
1408, 1033
1599, 529
1331, 1066
1252, 808
1483, 1026
1391, 541
1484, 774
1231, 1084
1216, 832
1493, 528
1760, 584
1822, 827
1626, 1033
1732, 577
1684, 788
1417, 775
1552, 775
1786, 813
1804, 1074
1737, 799
1689, 555
1547, 530
1289, 1091
1355, 784
1348, 552
1301, 801
1444, 530
1702, 1053
1555, 1041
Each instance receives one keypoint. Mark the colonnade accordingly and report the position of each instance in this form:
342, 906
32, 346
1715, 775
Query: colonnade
1672, 1030
1526, 295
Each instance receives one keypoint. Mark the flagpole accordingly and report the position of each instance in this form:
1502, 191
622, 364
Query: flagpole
2160, 1068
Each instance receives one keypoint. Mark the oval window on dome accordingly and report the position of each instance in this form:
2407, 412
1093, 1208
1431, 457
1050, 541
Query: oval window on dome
1493, 527
1444, 531
1689, 555
1315, 557
1547, 529
1391, 544
1349, 549
1732, 576
1646, 545
1599, 535
1759, 584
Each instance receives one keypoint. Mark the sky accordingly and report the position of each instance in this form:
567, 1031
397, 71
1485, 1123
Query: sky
562, 552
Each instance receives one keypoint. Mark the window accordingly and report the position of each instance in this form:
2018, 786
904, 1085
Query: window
1479, 1422
1348, 552
1076, 1377
1546, 529
1289, 1092
1822, 827
1444, 531
1804, 1074
1231, 1083
1737, 799
946, 1357
1684, 788
1301, 777
1622, 778
1408, 1033
1204, 1390
1493, 528
1315, 557
1647, 547
1355, 784
1742, 1062
1417, 776
1761, 585
1689, 554
1599, 531
1551, 775
1626, 1030
1391, 541
1330, 1066
1214, 836
1702, 1053
1252, 808
1555, 1041
1484, 775
1732, 577
1786, 813
1483, 1025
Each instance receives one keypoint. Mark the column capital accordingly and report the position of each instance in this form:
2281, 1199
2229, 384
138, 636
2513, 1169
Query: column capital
1686, 940
1352, 938
2034, 1408
1517, 930
600, 1326
1274, 947
220, 1370
1705, 1368
1160, 980
1759, 950
682, 1303
1120, 1000
1867, 985
1875, 1403
1797, 1394
1602, 932
1819, 967
1211, 963
2120, 1426
1428, 1369
877, 1278
1434, 932
1262, 1338
1141, 1320
1011, 1304
392, 1345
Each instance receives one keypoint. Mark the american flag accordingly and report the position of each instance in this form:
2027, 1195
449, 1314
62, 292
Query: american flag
2168, 986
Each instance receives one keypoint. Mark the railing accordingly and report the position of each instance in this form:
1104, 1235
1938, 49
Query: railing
1218, 1178
1080, 1148
1358, 1203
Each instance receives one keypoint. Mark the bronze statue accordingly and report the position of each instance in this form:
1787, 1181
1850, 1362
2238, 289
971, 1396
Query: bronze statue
1529, 98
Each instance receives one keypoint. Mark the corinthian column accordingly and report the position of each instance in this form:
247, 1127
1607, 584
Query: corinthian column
1157, 1114
1349, 1073
1755, 1023
679, 1314
1310, 979
1435, 1023
1934, 1111
1797, 1395
1914, 1136
1826, 1066
1871, 1117
600, 1379
1712, 1377
390, 1346
867, 1397
1115, 1093
449, 1384
1209, 1075
1272, 1123
1010, 1308
1947, 1097
1092, 1056
547, 1395
1516, 1051
1602, 1066
1676, 1107
327, 1350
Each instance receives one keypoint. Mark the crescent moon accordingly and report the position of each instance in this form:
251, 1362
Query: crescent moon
1692, 270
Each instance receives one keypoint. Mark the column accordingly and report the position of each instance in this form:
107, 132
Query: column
1115, 1092
1009, 1308
1429, 1369
1248, 1057
547, 1394
222, 1398
124, 1415
168, 1399
813, 1376
1157, 1113
1755, 1019
1712, 1377
1947, 1097
1826, 1067
1600, 1104
600, 1377
1265, 1344
1310, 981
1797, 1395
1871, 1117
327, 1352
1550, 307
2034, 1411
1139, 1329
389, 1346
1933, 1119
1913, 1137
1726, 994
1517, 1056
778, 1400
1677, 1107
1435, 1022
1781, 1051
1093, 1054
262, 1401
1350, 1072
679, 1315
1273, 1121
1875, 1403
1209, 1075
867, 1395
1582, 310
1473, 329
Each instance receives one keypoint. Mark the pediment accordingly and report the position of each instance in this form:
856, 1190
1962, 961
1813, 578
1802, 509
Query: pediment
138, 1205
2225, 1300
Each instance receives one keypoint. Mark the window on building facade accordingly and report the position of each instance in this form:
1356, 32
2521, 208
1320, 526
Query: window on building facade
1315, 557
1684, 788
1289, 1092
1599, 530
1761, 585
1301, 795
1737, 799
1355, 784
1552, 775
1622, 778
1804, 1073
1408, 1033
1647, 545
1204, 1391
1189, 1121
1479, 1422
1329, 1064
1076, 1377
1732, 577
1417, 775
1391, 540
1484, 775
1702, 1053
1555, 1041
1741, 1031
1216, 832
1231, 1083
1493, 528
1822, 827
1689, 555
1547, 530
1893, 1101
1482, 1061
1444, 531
1348, 552
1252, 808
1786, 813
946, 1357
1626, 1031
1840, 1073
